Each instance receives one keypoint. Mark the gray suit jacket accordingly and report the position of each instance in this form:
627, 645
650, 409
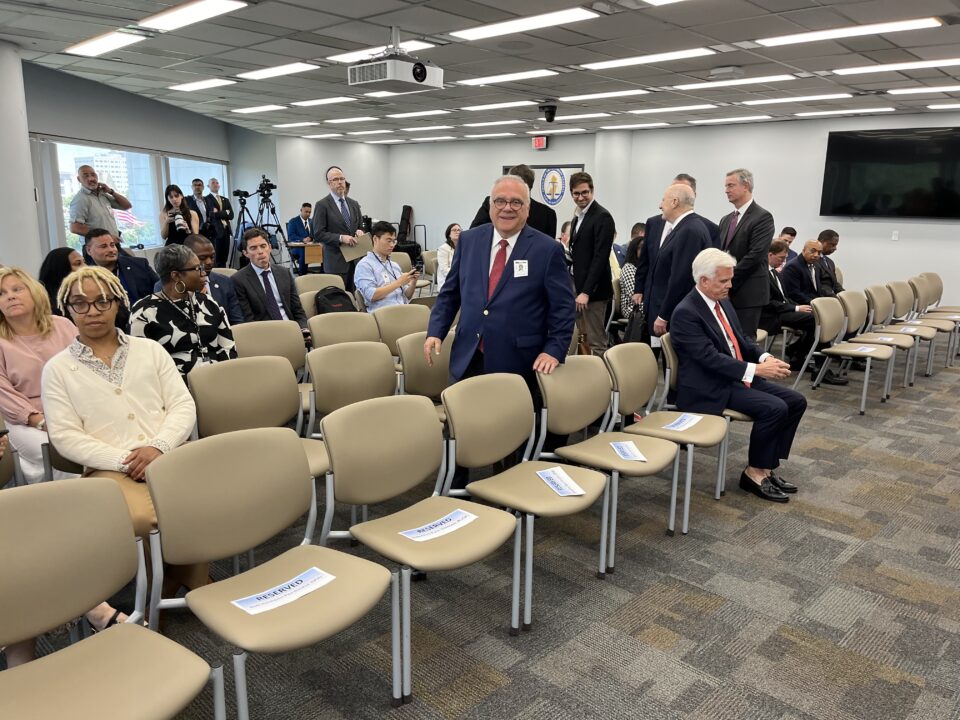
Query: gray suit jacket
328, 225
253, 299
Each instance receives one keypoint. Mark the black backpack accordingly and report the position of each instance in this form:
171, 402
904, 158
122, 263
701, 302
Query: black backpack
333, 299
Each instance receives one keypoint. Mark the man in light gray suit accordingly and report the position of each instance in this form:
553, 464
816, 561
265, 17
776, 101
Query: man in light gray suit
337, 222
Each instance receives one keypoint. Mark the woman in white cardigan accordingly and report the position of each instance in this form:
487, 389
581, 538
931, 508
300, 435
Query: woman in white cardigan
445, 252
115, 403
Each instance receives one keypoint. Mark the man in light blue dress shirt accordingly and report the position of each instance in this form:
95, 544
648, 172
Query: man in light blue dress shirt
378, 278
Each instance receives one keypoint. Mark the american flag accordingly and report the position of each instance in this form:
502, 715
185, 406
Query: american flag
127, 217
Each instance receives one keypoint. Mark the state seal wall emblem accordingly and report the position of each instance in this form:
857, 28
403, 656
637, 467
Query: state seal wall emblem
553, 185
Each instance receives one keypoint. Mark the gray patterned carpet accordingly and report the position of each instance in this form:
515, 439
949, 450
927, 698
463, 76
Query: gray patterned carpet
842, 605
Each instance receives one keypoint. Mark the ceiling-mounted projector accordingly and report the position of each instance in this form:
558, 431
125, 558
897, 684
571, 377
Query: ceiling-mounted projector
396, 73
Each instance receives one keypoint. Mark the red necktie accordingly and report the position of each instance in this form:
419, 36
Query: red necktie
496, 272
729, 331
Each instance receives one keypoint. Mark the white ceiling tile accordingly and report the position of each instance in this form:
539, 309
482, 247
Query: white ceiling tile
284, 15
352, 8
296, 49
423, 20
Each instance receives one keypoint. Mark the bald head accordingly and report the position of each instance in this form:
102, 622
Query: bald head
811, 251
677, 200
87, 177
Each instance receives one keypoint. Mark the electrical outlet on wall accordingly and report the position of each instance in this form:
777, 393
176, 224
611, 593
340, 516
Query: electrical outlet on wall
895, 235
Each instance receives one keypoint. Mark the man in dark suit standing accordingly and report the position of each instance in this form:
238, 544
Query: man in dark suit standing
591, 237
831, 286
746, 234
265, 291
802, 276
542, 217
783, 312
719, 367
300, 230
511, 286
337, 220
199, 204
221, 213
671, 278
135, 274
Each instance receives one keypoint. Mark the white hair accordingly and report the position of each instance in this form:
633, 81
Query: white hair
708, 261
517, 180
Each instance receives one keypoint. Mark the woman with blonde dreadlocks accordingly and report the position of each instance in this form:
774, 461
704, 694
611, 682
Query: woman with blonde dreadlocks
115, 403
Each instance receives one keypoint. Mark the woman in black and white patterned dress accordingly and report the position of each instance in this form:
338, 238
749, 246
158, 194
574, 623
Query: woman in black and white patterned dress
182, 317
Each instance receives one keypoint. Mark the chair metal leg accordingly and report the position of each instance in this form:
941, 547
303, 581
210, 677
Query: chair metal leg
240, 684
906, 364
156, 562
930, 353
672, 515
686, 491
236, 565
608, 525
396, 699
888, 380
251, 560
528, 577
722, 463
822, 373
219, 693
405, 633
863, 392
327, 510
604, 525
515, 590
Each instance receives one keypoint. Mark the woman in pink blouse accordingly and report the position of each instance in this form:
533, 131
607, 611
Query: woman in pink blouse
29, 336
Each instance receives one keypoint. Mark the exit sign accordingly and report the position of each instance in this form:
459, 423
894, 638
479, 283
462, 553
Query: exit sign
539, 142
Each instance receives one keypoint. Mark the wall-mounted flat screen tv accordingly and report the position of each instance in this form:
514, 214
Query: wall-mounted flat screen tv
909, 173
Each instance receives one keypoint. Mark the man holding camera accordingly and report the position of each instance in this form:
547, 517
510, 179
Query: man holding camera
337, 222
93, 205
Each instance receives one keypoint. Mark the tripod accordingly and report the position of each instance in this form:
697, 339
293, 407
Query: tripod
267, 220
244, 222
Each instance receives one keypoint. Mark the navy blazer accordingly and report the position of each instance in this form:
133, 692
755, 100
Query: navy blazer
712, 228
136, 276
224, 293
525, 316
796, 281
672, 276
296, 232
707, 370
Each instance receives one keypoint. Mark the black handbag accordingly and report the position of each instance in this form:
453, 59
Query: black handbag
636, 326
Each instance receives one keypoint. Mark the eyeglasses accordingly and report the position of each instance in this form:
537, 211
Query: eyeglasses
197, 268
581, 193
336, 179
501, 203
82, 307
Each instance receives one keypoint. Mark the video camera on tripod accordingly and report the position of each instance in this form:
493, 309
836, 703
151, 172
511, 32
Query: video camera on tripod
266, 218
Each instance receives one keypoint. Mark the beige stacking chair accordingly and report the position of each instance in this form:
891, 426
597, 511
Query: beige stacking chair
406, 265
408, 448
333, 328
856, 313
219, 497
828, 315
633, 371
317, 281
936, 283
430, 268
395, 321
276, 337
477, 442
227, 272
926, 297
249, 393
574, 395
64, 548
346, 373
881, 306
904, 306
419, 378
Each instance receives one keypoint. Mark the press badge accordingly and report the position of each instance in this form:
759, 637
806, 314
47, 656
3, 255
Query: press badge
520, 268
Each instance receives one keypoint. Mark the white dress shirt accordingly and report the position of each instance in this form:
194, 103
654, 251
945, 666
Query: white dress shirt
751, 367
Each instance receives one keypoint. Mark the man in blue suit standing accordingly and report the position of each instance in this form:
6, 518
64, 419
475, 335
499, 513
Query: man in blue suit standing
719, 367
299, 229
512, 288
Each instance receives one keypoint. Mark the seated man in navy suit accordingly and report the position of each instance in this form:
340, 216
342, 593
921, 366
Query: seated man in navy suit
511, 286
135, 273
299, 230
801, 276
720, 368
219, 287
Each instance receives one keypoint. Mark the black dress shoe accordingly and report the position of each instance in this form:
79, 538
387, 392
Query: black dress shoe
764, 490
831, 378
782, 485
